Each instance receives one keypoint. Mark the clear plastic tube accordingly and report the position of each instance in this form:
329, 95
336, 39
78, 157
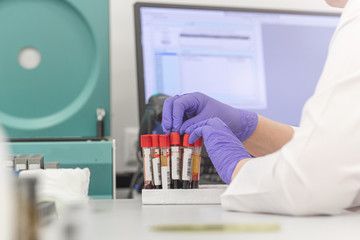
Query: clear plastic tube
196, 163
165, 161
155, 159
175, 160
187, 162
146, 145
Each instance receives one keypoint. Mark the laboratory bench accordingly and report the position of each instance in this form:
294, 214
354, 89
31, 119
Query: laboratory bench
129, 219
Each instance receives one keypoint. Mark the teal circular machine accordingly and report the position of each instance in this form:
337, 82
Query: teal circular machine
54, 67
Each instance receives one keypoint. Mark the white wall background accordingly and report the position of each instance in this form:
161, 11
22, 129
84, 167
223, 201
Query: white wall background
124, 102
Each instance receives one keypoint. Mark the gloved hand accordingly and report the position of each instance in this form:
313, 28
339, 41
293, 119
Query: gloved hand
224, 148
196, 107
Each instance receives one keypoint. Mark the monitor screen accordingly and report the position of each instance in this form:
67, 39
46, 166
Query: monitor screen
260, 60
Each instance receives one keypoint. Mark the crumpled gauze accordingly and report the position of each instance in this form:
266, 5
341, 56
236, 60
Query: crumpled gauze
63, 186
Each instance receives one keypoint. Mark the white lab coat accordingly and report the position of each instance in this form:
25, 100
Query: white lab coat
318, 170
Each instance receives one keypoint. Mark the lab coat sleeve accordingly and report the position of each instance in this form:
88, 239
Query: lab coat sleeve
294, 128
318, 170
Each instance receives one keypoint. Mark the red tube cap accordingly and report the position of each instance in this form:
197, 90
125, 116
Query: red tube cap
155, 140
145, 141
175, 138
199, 142
186, 141
164, 141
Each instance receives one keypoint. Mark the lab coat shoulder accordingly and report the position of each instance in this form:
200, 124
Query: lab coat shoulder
318, 171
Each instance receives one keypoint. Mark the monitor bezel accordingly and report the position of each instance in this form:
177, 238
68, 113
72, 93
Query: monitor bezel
138, 31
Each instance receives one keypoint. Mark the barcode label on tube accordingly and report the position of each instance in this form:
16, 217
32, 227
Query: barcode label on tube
147, 165
179, 167
157, 171
189, 167
165, 177
175, 163
168, 177
187, 164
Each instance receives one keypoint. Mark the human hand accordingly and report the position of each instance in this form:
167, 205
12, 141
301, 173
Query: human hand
224, 148
180, 112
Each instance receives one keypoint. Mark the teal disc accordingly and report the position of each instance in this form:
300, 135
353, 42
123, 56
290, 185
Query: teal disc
66, 74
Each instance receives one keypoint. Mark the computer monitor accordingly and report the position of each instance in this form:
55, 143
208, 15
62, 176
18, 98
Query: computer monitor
266, 61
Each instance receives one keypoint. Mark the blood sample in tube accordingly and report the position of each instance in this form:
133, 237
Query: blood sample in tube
146, 145
165, 161
175, 160
196, 163
187, 162
155, 159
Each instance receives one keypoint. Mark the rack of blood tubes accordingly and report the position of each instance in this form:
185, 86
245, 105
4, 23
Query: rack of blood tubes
168, 164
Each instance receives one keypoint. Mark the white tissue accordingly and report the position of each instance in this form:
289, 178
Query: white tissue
63, 186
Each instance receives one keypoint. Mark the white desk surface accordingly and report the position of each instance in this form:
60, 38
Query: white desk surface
129, 219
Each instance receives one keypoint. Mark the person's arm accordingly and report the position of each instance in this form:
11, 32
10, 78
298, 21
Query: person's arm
318, 170
268, 137
238, 167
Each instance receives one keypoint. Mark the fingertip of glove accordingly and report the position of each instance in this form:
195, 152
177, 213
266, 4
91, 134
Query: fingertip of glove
194, 136
166, 131
185, 129
166, 126
176, 129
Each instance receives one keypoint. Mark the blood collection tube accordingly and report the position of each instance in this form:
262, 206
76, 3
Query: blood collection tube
155, 156
165, 161
146, 145
187, 162
196, 163
175, 160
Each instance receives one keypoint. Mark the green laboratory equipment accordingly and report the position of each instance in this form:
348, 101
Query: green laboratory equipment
59, 97
95, 155
54, 76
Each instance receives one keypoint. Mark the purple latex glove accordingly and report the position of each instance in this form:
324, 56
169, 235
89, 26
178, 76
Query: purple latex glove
180, 112
224, 148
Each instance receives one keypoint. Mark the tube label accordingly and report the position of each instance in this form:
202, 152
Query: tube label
157, 170
157, 152
187, 164
175, 163
165, 175
165, 168
147, 165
